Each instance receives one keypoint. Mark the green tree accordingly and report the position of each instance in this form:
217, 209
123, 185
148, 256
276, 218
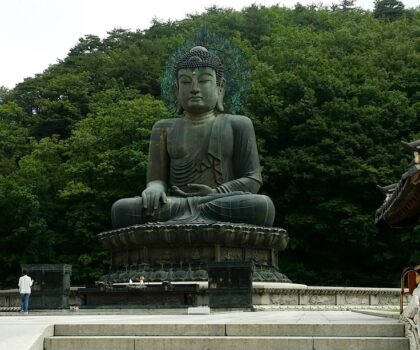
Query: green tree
347, 5
13, 145
391, 9
107, 156
4, 91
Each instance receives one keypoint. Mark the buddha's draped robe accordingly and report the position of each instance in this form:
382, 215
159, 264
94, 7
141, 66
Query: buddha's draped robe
219, 151
224, 154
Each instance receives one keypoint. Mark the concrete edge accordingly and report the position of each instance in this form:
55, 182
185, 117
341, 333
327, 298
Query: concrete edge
378, 313
39, 342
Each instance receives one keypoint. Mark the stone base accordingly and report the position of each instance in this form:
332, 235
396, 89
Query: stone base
180, 273
181, 252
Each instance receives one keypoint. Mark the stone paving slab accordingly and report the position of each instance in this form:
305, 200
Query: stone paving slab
18, 332
140, 329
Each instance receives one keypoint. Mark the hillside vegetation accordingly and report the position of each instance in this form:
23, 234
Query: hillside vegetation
333, 92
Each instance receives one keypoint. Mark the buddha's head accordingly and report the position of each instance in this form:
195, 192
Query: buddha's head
199, 82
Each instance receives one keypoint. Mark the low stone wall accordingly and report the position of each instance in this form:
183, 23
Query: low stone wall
278, 296
292, 295
289, 296
9, 298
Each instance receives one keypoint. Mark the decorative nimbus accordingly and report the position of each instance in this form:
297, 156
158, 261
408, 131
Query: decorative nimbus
236, 69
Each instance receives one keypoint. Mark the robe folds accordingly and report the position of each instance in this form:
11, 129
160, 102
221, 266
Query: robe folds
219, 151
225, 158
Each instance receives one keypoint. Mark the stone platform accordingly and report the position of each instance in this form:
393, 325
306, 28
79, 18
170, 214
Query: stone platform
182, 252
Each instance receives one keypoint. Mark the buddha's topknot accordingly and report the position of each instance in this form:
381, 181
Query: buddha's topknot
199, 56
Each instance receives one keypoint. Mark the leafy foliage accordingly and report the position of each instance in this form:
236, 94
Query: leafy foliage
333, 92
391, 9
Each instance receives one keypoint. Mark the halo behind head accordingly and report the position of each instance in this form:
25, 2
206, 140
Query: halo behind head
236, 70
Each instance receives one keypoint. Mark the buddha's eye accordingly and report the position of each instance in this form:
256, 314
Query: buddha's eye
185, 82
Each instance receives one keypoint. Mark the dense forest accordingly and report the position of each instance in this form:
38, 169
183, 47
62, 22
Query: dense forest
333, 92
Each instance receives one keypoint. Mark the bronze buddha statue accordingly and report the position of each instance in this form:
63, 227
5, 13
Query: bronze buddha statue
203, 166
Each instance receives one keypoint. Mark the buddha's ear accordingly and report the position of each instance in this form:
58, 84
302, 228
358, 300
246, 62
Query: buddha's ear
179, 109
219, 103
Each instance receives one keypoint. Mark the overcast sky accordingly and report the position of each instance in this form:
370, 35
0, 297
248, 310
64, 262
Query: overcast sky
35, 33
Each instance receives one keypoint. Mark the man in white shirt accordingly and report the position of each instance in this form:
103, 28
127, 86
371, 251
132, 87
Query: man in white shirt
25, 283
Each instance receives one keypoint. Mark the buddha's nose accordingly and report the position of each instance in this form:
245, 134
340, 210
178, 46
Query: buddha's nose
194, 87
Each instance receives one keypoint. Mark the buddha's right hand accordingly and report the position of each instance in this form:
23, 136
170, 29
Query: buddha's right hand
152, 197
194, 190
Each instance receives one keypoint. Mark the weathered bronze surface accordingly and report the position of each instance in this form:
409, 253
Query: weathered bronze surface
181, 252
203, 166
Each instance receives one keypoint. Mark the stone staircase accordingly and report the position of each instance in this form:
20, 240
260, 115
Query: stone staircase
232, 336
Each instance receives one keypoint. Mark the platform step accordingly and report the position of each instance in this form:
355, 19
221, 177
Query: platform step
229, 336
224, 343
291, 330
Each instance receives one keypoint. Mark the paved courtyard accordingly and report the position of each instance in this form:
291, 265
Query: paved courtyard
27, 332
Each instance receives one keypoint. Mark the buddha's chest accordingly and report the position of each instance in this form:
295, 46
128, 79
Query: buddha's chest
186, 142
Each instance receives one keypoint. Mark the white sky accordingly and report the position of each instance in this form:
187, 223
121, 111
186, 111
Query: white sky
35, 33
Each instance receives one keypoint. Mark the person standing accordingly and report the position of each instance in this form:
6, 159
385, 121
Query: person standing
25, 284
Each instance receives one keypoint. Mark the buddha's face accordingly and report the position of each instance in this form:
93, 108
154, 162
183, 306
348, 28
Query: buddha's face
197, 90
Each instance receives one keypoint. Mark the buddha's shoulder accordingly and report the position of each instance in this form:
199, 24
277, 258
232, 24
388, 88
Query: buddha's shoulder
165, 123
237, 120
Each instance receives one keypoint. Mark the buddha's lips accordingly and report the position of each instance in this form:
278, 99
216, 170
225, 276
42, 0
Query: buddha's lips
195, 98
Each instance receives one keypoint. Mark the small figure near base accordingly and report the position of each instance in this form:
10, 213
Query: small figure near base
25, 284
